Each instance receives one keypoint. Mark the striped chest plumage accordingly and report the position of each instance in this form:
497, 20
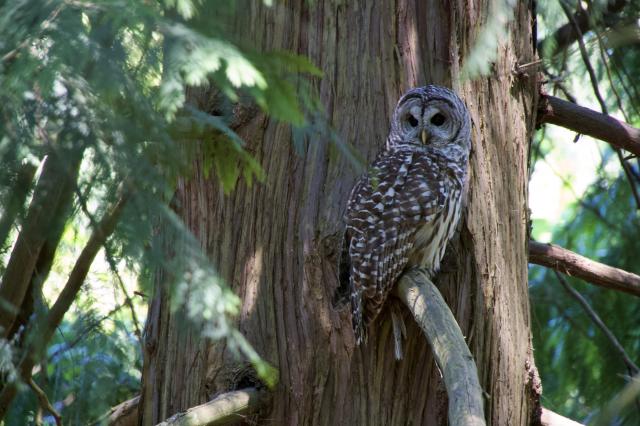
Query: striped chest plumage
432, 237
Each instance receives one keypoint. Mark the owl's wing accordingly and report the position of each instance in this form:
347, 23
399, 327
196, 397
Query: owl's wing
401, 193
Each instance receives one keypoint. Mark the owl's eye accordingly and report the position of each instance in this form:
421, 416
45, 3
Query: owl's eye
438, 119
413, 122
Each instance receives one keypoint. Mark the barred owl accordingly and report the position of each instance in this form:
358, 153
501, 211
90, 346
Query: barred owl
403, 212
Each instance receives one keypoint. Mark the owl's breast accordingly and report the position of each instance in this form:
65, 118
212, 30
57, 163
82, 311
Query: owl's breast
431, 238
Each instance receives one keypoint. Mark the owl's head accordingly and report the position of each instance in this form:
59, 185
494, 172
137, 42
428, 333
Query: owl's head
433, 118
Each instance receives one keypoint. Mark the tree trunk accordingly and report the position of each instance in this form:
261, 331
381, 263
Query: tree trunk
276, 243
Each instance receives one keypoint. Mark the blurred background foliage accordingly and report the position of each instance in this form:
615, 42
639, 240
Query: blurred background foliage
582, 199
101, 87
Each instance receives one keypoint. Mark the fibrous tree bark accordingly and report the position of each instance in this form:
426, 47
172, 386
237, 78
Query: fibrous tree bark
277, 242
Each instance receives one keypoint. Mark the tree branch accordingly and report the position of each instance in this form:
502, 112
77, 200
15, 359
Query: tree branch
227, 408
44, 401
452, 355
45, 327
44, 223
631, 366
567, 34
79, 272
124, 414
589, 122
603, 105
549, 418
573, 264
82, 335
113, 266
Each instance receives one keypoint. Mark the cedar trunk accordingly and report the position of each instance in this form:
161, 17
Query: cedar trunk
276, 243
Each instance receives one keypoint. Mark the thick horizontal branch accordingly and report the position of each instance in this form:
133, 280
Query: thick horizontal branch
227, 408
570, 263
450, 350
589, 122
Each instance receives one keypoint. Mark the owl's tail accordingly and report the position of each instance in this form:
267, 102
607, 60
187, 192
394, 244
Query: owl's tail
359, 326
357, 318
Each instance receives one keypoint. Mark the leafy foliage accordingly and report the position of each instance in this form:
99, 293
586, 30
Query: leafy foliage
92, 364
581, 371
98, 88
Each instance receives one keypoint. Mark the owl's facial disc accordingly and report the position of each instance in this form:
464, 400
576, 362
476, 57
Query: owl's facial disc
426, 122
432, 118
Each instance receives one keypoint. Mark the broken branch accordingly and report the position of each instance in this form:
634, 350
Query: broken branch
450, 350
573, 264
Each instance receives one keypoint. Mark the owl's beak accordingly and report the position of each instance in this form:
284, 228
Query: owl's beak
425, 136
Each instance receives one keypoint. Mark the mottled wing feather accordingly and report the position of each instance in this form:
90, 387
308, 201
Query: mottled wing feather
387, 207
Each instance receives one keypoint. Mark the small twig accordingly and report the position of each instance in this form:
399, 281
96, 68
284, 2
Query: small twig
558, 83
113, 266
82, 335
585, 56
44, 26
101, 232
127, 299
605, 61
450, 350
44, 401
622, 76
633, 368
573, 264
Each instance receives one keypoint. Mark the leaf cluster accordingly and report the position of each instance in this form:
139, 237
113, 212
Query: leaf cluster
581, 371
98, 89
